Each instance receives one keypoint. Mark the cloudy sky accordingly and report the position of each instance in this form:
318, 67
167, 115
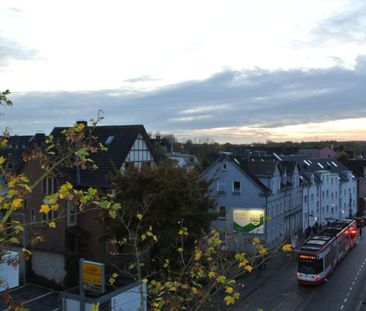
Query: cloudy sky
237, 71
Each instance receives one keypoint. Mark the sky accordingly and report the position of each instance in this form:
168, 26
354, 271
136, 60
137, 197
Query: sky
232, 71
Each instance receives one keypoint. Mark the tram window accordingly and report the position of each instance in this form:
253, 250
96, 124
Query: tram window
311, 267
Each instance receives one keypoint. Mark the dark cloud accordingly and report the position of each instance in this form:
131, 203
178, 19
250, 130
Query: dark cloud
257, 98
10, 49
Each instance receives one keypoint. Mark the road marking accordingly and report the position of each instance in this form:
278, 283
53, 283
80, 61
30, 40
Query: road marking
342, 306
348, 294
345, 299
350, 288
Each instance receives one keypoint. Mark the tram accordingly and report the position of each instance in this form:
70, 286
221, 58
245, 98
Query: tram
320, 254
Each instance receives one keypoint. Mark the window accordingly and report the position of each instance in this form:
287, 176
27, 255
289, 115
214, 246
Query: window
109, 140
224, 166
71, 214
305, 199
236, 187
221, 185
33, 216
312, 197
44, 219
222, 212
49, 185
139, 153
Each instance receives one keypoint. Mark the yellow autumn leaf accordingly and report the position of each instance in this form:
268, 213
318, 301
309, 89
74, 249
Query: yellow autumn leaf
287, 248
44, 209
180, 250
194, 290
52, 224
211, 274
229, 300
181, 232
144, 280
54, 207
12, 183
111, 281
197, 255
139, 216
262, 251
249, 268
229, 290
16, 203
2, 160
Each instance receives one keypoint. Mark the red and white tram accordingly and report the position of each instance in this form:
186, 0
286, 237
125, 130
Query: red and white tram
320, 254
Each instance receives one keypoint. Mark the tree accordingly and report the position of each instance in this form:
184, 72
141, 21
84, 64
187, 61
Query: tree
168, 197
163, 208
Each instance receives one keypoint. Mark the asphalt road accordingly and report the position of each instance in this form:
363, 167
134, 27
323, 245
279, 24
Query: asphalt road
343, 291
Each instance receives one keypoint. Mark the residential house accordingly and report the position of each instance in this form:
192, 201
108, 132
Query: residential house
187, 161
80, 235
255, 198
329, 190
358, 168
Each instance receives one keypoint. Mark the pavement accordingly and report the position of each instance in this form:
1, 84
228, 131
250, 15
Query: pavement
251, 282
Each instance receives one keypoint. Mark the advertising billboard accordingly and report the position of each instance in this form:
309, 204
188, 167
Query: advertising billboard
248, 220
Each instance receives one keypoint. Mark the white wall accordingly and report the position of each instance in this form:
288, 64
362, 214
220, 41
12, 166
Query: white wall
129, 300
9, 274
49, 265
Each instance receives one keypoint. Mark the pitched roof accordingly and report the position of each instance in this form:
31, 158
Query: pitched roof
243, 165
290, 166
16, 147
262, 168
107, 161
356, 166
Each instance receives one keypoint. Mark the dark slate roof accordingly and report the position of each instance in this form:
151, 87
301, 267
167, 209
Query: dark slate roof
289, 166
243, 165
107, 161
309, 165
262, 168
17, 146
356, 166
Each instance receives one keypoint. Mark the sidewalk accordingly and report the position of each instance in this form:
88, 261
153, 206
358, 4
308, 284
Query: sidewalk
250, 282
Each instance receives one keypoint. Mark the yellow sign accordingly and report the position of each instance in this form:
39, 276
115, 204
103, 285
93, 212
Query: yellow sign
92, 273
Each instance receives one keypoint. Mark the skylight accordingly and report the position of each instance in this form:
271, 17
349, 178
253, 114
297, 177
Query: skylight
277, 156
109, 140
335, 164
320, 165
307, 163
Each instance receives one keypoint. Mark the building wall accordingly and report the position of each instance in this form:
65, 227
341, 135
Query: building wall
52, 240
250, 197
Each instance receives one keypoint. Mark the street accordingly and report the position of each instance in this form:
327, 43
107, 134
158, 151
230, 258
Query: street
343, 291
